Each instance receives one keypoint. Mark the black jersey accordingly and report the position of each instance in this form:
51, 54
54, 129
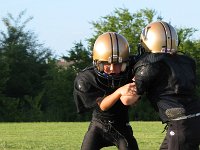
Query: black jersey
88, 89
168, 81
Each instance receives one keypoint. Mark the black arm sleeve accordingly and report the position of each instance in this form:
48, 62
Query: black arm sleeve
144, 76
85, 93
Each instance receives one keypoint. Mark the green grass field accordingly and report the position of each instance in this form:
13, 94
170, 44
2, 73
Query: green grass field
68, 135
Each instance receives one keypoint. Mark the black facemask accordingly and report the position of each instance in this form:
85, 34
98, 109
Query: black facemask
112, 80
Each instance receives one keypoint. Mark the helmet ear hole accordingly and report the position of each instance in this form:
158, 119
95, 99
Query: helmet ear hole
123, 68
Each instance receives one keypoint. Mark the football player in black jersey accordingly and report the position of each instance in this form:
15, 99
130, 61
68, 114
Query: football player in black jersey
168, 79
100, 87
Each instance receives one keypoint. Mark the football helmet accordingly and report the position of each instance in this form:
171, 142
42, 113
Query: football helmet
159, 37
111, 48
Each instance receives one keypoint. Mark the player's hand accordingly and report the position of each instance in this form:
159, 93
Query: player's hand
128, 89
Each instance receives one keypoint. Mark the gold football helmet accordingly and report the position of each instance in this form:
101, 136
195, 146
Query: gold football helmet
110, 47
159, 37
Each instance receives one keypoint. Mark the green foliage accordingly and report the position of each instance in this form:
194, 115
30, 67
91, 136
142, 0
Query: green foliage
8, 108
4, 67
23, 64
58, 104
80, 57
190, 47
24, 57
124, 22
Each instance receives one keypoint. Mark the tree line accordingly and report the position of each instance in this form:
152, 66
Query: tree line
33, 87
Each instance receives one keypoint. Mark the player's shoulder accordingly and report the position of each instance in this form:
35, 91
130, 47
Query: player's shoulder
86, 70
86, 74
85, 79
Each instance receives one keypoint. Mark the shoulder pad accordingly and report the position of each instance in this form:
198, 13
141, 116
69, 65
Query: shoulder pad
82, 85
149, 58
88, 68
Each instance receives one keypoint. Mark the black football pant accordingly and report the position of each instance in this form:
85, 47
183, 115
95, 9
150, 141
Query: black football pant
104, 133
182, 135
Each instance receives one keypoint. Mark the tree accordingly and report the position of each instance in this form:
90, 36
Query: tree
79, 56
26, 58
184, 35
58, 103
4, 67
24, 63
190, 47
124, 22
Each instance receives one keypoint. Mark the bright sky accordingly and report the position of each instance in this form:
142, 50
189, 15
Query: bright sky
60, 23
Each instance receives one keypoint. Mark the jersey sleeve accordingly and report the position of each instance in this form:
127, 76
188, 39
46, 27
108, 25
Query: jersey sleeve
144, 77
85, 93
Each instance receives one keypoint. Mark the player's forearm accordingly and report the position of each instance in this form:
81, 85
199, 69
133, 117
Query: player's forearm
109, 100
129, 100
